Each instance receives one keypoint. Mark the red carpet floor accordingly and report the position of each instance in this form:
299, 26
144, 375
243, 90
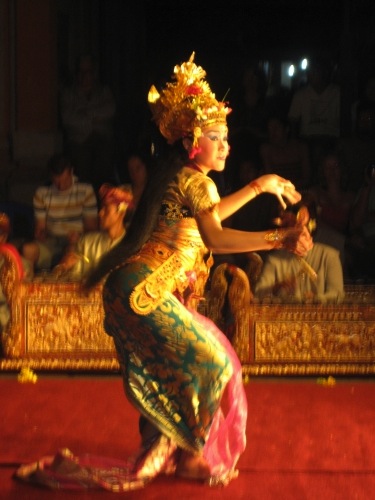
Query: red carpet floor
305, 440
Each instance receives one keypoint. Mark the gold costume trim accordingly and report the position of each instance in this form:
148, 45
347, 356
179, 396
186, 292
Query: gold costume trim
174, 211
168, 277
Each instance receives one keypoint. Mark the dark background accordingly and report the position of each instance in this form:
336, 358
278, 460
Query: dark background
138, 43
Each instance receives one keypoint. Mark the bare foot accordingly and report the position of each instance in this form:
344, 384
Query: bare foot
192, 467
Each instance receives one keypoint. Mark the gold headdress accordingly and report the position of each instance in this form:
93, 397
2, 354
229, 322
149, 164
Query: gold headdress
187, 105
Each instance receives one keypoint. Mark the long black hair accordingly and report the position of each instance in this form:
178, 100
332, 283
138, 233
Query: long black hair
146, 215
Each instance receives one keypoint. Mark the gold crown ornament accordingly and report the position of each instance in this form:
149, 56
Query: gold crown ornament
186, 105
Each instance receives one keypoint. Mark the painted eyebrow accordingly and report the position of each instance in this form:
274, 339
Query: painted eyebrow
217, 132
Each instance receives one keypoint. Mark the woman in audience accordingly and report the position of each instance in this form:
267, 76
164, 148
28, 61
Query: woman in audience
362, 229
138, 162
334, 204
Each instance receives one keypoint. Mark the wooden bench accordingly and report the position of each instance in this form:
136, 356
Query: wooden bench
295, 339
53, 325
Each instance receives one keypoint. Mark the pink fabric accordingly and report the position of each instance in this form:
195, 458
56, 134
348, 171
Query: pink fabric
227, 438
225, 444
65, 471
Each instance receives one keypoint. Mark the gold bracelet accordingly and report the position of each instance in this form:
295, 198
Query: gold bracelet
275, 237
256, 186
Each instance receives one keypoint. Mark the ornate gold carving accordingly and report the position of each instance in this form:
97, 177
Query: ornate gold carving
307, 369
315, 339
54, 326
296, 339
322, 341
57, 318
101, 364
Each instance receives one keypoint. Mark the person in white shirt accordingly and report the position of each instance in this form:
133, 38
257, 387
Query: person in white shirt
63, 211
316, 276
77, 264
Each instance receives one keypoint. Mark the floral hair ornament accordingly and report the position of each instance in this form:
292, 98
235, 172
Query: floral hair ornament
186, 105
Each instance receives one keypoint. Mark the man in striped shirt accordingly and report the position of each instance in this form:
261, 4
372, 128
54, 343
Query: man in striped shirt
63, 211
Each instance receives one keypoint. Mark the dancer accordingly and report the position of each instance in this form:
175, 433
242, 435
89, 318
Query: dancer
179, 370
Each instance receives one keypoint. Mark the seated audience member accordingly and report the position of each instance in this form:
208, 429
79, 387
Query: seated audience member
76, 264
284, 155
63, 211
366, 92
358, 150
137, 164
317, 277
315, 110
362, 229
332, 200
5, 229
4, 232
251, 101
87, 114
333, 204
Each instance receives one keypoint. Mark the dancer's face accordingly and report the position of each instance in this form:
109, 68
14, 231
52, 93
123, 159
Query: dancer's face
214, 148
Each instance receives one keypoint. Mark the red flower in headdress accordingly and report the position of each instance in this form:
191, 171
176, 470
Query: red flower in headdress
193, 89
